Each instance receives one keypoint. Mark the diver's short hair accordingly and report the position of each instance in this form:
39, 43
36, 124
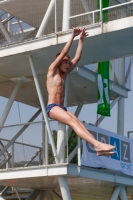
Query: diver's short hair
60, 53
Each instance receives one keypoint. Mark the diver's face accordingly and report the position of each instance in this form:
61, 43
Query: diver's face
64, 65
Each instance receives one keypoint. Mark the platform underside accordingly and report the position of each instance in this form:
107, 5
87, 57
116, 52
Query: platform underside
14, 63
88, 183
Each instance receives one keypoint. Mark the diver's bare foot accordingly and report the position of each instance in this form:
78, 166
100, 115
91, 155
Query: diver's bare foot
104, 148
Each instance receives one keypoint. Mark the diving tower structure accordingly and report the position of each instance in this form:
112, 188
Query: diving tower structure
31, 34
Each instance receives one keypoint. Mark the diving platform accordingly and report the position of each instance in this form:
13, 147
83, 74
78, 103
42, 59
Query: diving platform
98, 47
83, 181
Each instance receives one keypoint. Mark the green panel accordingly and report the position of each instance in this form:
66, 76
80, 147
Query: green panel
103, 89
105, 3
103, 107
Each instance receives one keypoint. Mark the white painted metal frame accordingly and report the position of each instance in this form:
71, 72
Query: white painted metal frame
5, 33
46, 18
62, 179
101, 12
115, 193
43, 107
61, 133
10, 102
119, 191
19, 133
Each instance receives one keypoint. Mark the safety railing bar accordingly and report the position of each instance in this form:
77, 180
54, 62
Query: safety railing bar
7, 19
116, 6
103, 9
3, 147
20, 143
87, 13
33, 157
4, 190
9, 126
3, 159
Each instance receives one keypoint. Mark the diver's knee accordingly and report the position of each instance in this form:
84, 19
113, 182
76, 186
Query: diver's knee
73, 122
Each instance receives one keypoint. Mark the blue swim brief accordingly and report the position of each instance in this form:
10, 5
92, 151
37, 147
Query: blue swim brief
50, 106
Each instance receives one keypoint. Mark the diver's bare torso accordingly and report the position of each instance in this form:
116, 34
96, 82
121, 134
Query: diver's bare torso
56, 87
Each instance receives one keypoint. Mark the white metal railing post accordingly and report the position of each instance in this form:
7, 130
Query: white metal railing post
46, 147
56, 21
43, 107
113, 70
13, 155
9, 25
93, 18
62, 179
101, 15
43, 142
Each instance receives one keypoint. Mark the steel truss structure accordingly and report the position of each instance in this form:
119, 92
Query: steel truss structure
23, 53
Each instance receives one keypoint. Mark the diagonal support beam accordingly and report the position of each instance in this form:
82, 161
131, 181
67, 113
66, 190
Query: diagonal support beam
5, 33
123, 194
49, 196
92, 76
129, 68
115, 193
17, 193
33, 195
73, 153
10, 102
58, 197
86, 8
20, 26
19, 133
46, 18
112, 66
43, 108
42, 195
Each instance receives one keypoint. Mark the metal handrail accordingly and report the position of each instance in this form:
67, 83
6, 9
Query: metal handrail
27, 123
20, 143
103, 9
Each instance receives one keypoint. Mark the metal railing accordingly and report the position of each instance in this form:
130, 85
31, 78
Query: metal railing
100, 16
35, 149
81, 15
